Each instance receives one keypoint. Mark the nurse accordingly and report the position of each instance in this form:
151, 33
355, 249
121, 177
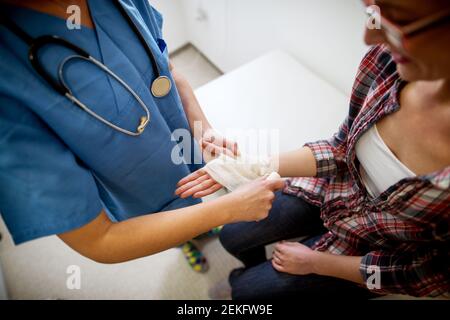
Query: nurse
102, 177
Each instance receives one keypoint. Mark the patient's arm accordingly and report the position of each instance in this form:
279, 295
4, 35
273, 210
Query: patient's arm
296, 258
299, 163
198, 184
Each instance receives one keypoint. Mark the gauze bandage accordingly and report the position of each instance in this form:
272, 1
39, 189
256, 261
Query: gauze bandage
234, 172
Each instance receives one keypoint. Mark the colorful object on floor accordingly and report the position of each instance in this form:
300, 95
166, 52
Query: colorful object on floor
194, 257
214, 231
211, 233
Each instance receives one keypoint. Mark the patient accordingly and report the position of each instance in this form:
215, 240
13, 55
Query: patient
372, 203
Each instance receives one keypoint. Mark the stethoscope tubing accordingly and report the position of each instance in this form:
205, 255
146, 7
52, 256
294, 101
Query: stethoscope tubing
100, 65
61, 85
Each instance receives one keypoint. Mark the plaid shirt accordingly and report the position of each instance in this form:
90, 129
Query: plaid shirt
404, 232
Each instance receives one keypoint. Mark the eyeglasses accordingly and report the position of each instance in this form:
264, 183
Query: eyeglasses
397, 35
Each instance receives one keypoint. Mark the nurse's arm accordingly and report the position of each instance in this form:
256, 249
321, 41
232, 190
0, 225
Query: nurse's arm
106, 242
195, 116
190, 103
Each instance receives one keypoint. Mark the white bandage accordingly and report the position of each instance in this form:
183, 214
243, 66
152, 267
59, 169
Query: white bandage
234, 172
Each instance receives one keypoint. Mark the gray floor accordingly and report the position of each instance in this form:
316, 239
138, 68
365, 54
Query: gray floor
38, 269
194, 67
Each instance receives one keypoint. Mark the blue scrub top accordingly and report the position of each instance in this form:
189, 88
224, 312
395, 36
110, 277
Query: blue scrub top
59, 167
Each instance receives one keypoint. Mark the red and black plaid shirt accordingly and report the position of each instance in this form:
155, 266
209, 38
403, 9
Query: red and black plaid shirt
404, 232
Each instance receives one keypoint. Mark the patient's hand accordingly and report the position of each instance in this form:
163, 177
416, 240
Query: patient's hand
198, 184
294, 258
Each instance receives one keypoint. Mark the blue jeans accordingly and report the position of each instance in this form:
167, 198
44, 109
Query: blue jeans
290, 217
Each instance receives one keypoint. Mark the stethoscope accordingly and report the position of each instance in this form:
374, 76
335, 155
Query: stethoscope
159, 88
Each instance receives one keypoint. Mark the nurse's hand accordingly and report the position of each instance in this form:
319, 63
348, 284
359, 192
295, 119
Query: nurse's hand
213, 144
198, 184
252, 201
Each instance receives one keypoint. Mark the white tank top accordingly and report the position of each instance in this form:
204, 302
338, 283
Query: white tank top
379, 167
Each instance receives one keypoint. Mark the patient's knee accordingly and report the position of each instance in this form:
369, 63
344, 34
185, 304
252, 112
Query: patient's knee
229, 238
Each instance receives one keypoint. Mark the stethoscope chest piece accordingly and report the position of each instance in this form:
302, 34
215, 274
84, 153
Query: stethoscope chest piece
161, 87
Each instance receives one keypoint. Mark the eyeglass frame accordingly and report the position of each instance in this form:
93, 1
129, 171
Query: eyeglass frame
398, 35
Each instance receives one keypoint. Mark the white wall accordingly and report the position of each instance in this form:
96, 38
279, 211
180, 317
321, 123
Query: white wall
324, 35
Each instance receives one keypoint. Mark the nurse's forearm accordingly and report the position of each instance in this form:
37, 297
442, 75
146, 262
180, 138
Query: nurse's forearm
190, 103
107, 242
298, 163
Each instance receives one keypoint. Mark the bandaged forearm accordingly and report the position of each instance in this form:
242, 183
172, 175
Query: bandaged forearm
234, 172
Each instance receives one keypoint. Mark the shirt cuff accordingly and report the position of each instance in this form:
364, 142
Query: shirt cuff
325, 160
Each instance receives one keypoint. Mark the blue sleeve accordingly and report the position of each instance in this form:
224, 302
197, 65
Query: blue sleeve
154, 22
158, 17
149, 15
44, 189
